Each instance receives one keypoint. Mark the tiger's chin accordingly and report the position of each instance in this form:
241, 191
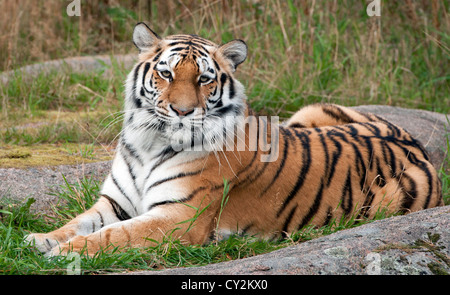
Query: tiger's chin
187, 134
188, 138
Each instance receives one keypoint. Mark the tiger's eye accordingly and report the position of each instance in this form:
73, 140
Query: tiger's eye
166, 74
204, 79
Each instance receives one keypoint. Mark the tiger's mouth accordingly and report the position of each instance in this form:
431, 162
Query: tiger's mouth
190, 132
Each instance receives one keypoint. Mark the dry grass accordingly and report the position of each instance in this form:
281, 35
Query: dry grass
300, 51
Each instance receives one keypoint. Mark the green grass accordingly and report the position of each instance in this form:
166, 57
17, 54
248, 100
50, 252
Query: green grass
62, 108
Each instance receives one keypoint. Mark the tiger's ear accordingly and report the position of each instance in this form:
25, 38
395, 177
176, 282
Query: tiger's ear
144, 37
235, 51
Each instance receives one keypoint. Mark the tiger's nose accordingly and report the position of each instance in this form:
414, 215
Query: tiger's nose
182, 111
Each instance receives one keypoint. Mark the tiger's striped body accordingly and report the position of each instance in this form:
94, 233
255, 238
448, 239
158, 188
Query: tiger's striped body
331, 162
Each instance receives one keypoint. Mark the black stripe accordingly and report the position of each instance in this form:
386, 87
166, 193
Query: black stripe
223, 111
131, 150
420, 164
329, 216
297, 125
283, 162
382, 178
256, 174
410, 195
186, 199
423, 167
315, 206
146, 69
306, 163
122, 191
157, 56
246, 229
335, 157
254, 153
327, 157
137, 101
179, 175
179, 48
167, 154
214, 92
366, 115
218, 102
347, 195
367, 204
372, 128
217, 65
337, 113
360, 165
194, 43
102, 220
120, 213
133, 175
353, 131
370, 151
392, 159
232, 92
136, 73
223, 80
284, 231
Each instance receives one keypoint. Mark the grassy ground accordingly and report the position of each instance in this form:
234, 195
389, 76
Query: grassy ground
300, 52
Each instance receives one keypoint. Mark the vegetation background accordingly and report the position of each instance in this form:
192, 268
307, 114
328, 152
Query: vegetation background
300, 52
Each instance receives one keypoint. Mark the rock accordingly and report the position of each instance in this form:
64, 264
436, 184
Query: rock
76, 64
43, 183
417, 243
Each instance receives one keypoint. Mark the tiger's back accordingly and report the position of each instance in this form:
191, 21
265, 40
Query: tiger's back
358, 167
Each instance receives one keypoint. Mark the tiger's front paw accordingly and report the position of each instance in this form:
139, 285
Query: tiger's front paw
42, 242
60, 250
79, 244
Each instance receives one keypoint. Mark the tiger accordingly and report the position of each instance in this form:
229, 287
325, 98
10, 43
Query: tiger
325, 163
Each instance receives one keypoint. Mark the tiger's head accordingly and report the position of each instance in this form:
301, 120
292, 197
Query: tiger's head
183, 88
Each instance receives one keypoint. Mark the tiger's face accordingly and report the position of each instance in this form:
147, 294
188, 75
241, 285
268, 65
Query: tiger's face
183, 87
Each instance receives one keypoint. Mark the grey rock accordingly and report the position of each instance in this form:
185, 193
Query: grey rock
76, 64
43, 183
402, 245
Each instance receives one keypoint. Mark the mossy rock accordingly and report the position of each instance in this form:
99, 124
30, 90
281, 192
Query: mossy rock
52, 154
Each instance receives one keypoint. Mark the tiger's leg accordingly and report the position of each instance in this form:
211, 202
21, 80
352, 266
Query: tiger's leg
320, 115
101, 214
171, 220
